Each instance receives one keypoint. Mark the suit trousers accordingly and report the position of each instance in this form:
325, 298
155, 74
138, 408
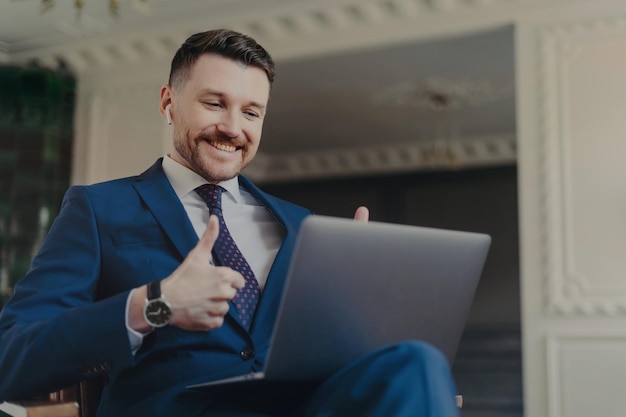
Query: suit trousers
410, 379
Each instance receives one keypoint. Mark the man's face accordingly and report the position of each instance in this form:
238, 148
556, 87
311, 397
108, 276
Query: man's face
218, 116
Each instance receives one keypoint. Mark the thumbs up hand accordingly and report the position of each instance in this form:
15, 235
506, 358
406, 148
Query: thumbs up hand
198, 291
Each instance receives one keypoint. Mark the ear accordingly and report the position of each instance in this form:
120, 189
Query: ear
166, 103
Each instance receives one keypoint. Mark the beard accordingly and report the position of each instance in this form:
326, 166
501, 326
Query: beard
212, 170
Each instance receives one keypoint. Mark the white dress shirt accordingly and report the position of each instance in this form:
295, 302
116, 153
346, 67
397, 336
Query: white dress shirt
254, 229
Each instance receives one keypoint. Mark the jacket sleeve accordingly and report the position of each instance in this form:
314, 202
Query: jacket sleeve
53, 331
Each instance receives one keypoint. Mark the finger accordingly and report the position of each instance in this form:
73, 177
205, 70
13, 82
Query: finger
218, 309
232, 277
210, 235
239, 282
214, 322
362, 214
205, 324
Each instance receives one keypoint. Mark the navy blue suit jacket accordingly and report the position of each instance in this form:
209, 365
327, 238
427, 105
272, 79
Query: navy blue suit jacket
66, 320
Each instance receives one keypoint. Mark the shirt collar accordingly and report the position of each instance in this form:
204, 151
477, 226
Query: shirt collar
184, 180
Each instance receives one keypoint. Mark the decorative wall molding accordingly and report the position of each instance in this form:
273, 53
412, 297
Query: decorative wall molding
267, 24
382, 159
570, 291
580, 361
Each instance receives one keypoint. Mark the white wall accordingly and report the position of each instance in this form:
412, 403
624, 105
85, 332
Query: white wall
572, 87
118, 128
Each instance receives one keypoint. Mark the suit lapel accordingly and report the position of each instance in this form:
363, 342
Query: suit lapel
270, 299
157, 193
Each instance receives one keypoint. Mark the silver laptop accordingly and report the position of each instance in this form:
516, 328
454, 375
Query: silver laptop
354, 287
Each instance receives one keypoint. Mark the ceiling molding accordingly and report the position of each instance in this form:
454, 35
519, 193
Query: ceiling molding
496, 150
269, 25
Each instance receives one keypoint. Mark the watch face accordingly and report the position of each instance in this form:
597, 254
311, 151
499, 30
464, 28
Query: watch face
157, 313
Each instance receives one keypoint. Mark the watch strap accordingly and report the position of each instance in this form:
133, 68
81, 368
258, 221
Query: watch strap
154, 290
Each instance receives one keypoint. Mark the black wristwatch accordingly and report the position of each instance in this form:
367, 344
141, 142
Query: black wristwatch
157, 311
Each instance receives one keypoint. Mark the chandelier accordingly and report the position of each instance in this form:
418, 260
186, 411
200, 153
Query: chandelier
444, 94
114, 5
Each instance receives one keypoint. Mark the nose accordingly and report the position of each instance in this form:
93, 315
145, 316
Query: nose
229, 124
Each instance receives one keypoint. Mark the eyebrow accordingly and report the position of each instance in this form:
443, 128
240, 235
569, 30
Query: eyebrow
210, 91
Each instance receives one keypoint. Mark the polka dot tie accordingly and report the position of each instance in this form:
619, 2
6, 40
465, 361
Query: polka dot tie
227, 253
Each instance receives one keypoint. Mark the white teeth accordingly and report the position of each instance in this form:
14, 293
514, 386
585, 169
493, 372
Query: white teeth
223, 147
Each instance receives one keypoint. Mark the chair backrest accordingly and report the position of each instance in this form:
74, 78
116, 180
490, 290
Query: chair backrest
90, 394
87, 394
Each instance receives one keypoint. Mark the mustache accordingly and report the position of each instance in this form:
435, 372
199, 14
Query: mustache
219, 138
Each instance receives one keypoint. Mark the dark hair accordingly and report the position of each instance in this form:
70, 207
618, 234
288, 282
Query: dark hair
227, 43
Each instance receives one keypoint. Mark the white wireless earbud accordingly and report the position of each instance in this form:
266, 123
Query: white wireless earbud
168, 115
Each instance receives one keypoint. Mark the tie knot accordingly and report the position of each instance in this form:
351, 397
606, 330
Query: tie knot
211, 194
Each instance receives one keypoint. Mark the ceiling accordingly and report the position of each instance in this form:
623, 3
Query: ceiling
35, 24
443, 89
448, 99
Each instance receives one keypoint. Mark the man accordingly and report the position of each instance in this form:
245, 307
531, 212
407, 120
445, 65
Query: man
128, 284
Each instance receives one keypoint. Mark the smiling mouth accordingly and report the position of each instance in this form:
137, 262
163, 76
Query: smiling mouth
223, 147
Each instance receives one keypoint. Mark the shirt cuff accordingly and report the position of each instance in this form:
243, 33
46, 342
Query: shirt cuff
134, 337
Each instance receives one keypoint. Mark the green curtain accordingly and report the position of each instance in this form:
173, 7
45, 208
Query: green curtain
36, 121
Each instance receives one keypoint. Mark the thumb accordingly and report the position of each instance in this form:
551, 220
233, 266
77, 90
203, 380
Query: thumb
362, 214
210, 235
